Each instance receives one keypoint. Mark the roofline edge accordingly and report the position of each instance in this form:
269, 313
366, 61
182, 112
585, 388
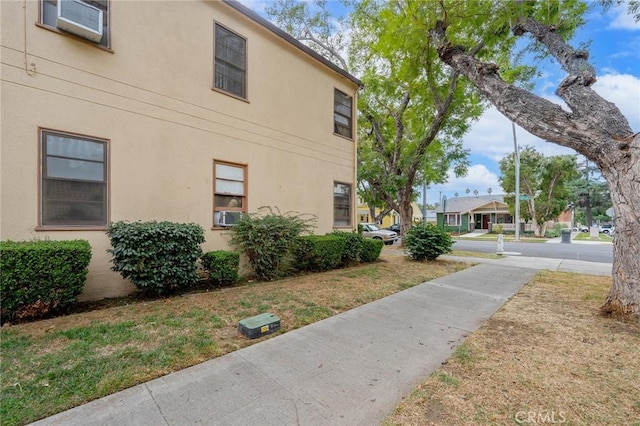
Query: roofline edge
287, 37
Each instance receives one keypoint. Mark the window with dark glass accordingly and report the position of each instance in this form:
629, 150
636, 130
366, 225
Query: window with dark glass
342, 114
229, 193
341, 204
49, 16
73, 180
230, 62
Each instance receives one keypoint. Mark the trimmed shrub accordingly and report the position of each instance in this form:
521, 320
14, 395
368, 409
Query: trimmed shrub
222, 266
266, 240
371, 250
41, 277
158, 257
555, 232
352, 246
427, 242
318, 252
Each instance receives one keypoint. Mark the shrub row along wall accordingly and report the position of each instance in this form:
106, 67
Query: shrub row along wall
320, 253
160, 257
39, 277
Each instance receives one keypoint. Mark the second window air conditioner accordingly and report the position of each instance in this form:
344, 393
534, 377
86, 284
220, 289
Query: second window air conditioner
228, 218
80, 18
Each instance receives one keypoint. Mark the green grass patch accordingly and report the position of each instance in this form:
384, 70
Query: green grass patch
586, 236
369, 272
63, 369
507, 237
448, 379
463, 354
311, 313
466, 253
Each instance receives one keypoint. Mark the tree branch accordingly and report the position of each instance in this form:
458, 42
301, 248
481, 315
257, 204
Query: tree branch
308, 36
511, 101
399, 123
378, 137
575, 89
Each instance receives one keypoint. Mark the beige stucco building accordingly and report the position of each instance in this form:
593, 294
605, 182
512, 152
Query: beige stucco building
185, 111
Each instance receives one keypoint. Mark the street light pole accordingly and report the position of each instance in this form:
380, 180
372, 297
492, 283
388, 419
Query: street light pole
517, 160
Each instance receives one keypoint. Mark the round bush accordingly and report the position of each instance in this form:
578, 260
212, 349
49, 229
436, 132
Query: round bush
427, 242
158, 257
371, 250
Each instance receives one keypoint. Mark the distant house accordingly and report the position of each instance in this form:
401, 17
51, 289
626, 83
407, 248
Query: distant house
475, 213
186, 111
364, 215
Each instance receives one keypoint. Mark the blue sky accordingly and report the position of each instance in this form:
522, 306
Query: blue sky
614, 52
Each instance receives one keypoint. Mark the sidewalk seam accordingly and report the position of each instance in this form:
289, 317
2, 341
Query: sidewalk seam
156, 404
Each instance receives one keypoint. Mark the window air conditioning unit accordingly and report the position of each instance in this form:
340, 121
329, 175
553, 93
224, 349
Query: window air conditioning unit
81, 19
229, 218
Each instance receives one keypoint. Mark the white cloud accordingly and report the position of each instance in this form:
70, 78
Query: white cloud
622, 20
492, 136
624, 91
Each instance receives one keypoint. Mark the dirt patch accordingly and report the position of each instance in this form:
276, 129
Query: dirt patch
546, 357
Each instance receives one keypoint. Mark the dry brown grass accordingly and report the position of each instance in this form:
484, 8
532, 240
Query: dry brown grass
332, 292
546, 357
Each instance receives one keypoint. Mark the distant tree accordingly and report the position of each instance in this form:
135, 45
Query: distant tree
455, 195
467, 191
475, 192
590, 194
489, 191
312, 23
544, 180
413, 113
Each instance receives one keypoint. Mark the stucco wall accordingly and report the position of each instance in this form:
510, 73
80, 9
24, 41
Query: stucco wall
151, 98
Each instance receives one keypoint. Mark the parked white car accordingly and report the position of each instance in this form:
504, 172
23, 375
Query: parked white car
370, 230
607, 229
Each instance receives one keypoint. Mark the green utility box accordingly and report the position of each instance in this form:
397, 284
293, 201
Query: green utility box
259, 325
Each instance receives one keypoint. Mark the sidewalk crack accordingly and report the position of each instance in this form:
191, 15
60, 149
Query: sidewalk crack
157, 405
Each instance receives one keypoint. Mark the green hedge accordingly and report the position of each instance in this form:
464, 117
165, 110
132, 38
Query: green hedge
266, 239
318, 252
222, 266
427, 242
352, 247
371, 250
39, 277
158, 257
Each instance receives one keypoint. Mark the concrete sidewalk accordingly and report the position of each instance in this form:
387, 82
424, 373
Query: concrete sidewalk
350, 369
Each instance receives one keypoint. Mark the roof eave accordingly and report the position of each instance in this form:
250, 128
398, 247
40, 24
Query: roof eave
288, 38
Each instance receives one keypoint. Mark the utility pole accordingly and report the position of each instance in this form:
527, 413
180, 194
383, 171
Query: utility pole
424, 202
517, 160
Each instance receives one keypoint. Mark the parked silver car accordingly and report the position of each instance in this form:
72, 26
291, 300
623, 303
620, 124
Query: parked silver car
370, 230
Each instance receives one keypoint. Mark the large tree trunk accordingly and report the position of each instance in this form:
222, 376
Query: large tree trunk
406, 216
624, 182
372, 213
594, 127
537, 228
